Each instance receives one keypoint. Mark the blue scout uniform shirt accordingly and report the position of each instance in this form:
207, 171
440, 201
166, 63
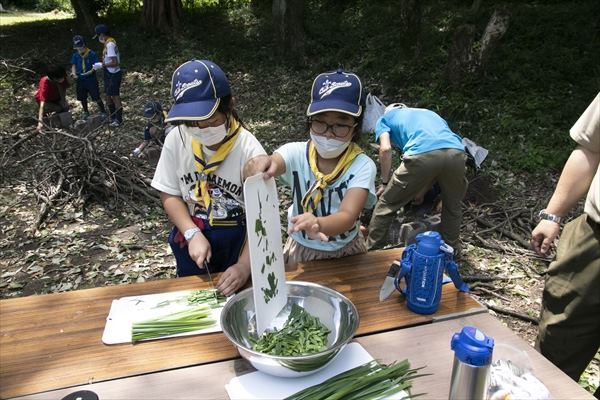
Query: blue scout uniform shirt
417, 131
298, 176
90, 60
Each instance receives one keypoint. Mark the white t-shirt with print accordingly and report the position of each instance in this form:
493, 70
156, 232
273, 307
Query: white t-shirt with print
298, 175
111, 51
176, 175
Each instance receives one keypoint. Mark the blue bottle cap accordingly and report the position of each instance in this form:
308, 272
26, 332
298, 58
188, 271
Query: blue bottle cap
428, 243
472, 346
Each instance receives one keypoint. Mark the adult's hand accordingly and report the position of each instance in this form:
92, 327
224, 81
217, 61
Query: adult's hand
380, 189
233, 279
543, 236
199, 249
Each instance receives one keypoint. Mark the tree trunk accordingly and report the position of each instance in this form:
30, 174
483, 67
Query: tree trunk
162, 15
84, 15
288, 21
467, 58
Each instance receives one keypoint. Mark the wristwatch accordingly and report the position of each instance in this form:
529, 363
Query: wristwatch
549, 217
189, 234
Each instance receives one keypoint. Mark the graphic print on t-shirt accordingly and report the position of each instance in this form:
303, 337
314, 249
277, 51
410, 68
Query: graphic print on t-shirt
224, 207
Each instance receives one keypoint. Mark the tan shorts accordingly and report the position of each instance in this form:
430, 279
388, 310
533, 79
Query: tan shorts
295, 253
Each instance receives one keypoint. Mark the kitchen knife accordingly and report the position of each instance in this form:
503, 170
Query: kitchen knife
388, 286
211, 281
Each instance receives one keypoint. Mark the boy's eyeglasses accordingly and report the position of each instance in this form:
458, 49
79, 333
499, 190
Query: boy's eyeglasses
338, 130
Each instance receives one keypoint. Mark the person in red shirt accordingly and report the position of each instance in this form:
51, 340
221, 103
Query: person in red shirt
51, 93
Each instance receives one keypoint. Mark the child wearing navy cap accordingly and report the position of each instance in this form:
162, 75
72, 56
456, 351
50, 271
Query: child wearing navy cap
111, 61
82, 69
200, 176
332, 180
155, 130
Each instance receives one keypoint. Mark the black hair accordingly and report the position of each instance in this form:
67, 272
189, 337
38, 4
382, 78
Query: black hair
227, 106
56, 72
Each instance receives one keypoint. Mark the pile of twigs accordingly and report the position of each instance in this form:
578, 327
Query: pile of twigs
74, 167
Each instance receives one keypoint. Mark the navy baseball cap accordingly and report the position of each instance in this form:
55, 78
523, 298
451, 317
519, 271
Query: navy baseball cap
100, 28
336, 91
152, 108
78, 42
197, 87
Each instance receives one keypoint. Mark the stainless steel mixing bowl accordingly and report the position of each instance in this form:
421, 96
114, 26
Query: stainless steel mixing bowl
333, 309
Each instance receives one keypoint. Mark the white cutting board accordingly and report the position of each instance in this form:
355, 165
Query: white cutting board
266, 249
257, 385
125, 310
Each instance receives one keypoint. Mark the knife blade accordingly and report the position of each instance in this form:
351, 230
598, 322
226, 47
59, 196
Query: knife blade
388, 286
211, 282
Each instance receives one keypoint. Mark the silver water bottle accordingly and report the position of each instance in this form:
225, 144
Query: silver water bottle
472, 359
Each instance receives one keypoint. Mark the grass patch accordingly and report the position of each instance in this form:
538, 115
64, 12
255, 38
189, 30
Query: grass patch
21, 17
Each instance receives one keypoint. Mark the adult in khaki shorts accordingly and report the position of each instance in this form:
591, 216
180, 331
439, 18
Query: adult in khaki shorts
431, 153
569, 328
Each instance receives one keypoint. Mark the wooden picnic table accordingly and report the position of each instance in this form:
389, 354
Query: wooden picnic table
424, 345
54, 341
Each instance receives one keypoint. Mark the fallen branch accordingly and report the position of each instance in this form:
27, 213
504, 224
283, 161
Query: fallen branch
492, 293
515, 314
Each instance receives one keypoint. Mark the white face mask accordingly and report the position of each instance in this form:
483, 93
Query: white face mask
101, 40
207, 136
328, 148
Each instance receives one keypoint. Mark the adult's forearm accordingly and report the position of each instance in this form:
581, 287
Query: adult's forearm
574, 181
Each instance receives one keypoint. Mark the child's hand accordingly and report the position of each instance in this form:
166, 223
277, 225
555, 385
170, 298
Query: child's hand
233, 278
199, 249
308, 223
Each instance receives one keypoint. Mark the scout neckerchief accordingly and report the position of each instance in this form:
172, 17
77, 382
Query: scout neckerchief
107, 41
206, 167
314, 194
83, 56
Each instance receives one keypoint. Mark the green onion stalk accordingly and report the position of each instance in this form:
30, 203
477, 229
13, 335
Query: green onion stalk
369, 381
180, 322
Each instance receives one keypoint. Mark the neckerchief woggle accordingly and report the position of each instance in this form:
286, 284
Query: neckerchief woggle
206, 167
314, 194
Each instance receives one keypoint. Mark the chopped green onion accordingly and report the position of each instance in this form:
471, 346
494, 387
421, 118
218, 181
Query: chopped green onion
301, 334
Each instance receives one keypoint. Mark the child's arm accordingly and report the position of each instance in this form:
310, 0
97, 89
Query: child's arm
336, 223
274, 166
236, 275
73, 71
198, 246
41, 116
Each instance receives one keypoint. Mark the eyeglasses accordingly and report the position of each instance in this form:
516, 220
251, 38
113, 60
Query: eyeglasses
338, 130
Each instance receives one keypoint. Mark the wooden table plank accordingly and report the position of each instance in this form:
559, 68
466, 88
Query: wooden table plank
54, 341
423, 345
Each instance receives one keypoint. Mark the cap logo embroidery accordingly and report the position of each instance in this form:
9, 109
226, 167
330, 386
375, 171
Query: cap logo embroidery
181, 88
329, 87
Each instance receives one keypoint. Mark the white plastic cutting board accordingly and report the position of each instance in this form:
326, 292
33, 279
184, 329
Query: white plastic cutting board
266, 249
257, 385
125, 310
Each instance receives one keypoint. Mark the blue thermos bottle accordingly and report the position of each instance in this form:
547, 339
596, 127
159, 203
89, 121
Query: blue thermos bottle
472, 359
423, 266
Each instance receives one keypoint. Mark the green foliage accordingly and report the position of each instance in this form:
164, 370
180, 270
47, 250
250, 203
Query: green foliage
39, 5
540, 78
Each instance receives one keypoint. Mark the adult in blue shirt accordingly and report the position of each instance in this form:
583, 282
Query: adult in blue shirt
431, 153
82, 68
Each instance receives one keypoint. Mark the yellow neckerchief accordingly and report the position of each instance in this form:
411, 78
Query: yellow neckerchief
107, 41
314, 194
83, 56
204, 168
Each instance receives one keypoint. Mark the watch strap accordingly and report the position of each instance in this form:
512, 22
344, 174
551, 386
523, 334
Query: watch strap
189, 234
550, 217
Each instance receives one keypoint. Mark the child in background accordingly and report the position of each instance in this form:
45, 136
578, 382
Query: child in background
332, 180
82, 69
200, 176
155, 130
51, 93
111, 60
